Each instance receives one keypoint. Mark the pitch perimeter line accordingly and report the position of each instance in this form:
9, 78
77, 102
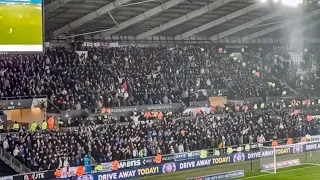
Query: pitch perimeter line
282, 171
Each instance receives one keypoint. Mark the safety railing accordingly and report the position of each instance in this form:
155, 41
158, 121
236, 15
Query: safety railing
13, 162
23, 97
150, 160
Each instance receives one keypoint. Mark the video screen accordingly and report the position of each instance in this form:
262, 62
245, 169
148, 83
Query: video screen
21, 25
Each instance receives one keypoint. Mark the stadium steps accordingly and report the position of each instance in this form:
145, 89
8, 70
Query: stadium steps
259, 64
11, 161
6, 170
283, 83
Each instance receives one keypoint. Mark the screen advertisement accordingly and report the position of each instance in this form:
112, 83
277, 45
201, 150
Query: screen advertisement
21, 25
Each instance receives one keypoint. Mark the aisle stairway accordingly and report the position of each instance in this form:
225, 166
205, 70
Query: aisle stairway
11, 161
268, 71
6, 170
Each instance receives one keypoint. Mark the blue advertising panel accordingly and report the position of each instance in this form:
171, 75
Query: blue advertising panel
130, 173
136, 170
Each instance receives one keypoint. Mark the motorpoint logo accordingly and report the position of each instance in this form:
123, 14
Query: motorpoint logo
297, 149
239, 157
169, 168
85, 177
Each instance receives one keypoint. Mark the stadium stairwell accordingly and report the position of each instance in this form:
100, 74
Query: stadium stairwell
259, 64
11, 161
6, 170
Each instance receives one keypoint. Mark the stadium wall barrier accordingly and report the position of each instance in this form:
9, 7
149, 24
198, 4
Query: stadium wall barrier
11, 104
127, 111
136, 168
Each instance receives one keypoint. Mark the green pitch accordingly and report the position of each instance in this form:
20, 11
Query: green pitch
20, 24
302, 172
310, 170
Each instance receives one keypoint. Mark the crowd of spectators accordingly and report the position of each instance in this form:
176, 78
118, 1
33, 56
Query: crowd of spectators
134, 75
130, 75
297, 69
118, 141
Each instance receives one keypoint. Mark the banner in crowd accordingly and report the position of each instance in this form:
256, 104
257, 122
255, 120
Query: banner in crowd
226, 175
82, 55
23, 103
127, 111
296, 57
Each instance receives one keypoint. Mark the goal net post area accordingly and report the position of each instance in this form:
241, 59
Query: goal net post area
274, 158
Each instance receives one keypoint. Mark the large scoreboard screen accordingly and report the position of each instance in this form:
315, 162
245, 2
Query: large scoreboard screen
21, 25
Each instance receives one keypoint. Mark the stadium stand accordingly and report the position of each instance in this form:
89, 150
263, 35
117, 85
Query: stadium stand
138, 76
168, 84
128, 76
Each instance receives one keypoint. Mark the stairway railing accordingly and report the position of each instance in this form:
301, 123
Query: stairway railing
14, 163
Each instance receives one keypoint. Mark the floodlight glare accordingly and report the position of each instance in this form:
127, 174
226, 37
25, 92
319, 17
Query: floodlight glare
263, 1
292, 3
276, 1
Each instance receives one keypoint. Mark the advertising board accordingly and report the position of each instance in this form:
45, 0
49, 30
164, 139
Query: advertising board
226, 175
139, 168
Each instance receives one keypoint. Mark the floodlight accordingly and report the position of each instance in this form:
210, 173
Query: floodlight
276, 1
263, 1
292, 3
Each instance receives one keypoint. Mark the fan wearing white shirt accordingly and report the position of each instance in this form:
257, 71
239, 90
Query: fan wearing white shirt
16, 151
5, 144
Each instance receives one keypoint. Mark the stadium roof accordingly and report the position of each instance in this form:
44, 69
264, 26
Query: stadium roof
209, 20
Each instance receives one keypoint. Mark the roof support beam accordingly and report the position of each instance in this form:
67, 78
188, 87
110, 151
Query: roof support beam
156, 40
245, 25
143, 16
280, 26
185, 18
77, 23
55, 5
219, 21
